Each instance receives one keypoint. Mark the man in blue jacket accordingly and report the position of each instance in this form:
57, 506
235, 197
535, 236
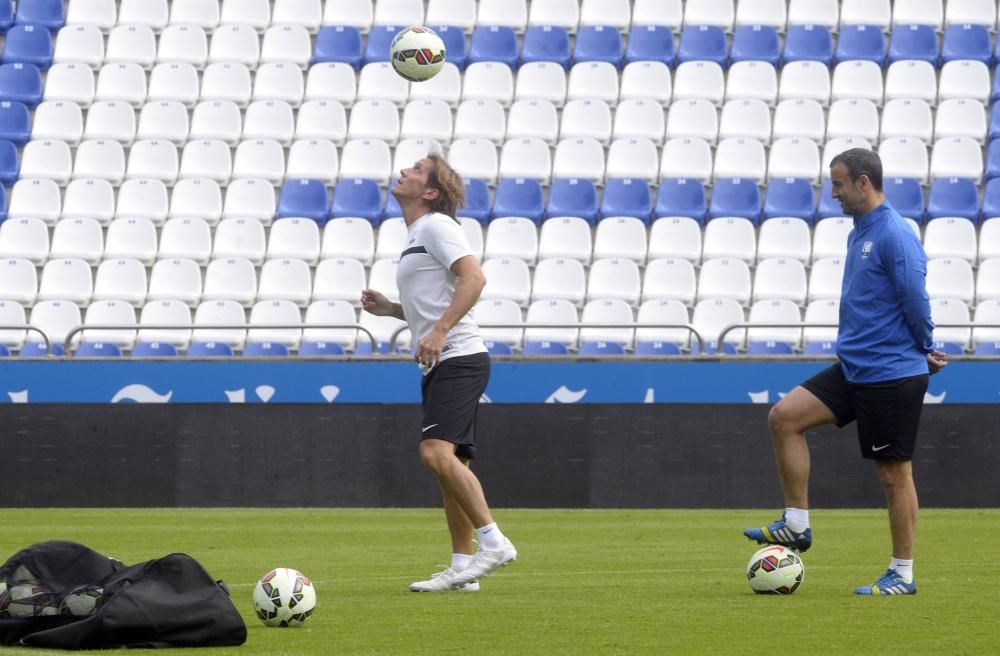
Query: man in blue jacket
885, 354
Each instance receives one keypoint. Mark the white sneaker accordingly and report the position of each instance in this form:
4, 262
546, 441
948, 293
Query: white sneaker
444, 581
485, 562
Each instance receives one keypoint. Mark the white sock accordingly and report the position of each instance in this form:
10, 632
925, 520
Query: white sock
797, 519
903, 567
460, 561
490, 536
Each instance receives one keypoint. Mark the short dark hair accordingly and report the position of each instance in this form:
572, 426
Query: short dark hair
859, 162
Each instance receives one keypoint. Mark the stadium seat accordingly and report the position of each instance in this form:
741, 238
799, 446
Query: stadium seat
446, 86
573, 197
482, 119
586, 119
513, 237
918, 12
109, 313
946, 311
507, 278
821, 312
675, 236
906, 196
866, 12
953, 197
752, 80
694, 118
127, 43
285, 279
544, 43
600, 348
559, 278
477, 200
669, 278
799, 118
735, 197
826, 278
952, 237
294, 238
499, 312
830, 237
320, 349
296, 12
102, 14
627, 197
988, 280
966, 42
946, 278
28, 44
406, 12
686, 158
808, 43
49, 160
773, 339
289, 44
567, 237
545, 334
987, 314
474, 158
269, 119
959, 157
77, 238
633, 158
232, 279
580, 158
904, 157
805, 80
97, 158
699, 80
453, 37
814, 12
657, 339
905, 117
429, 119
67, 279
526, 158
186, 238
711, 316
594, 80
959, 117
780, 278
681, 197
348, 237
740, 158
975, 12
8, 163
621, 237
209, 350
108, 119
526, 119
790, 197
853, 118
50, 14
97, 350
303, 198
913, 42
377, 45
650, 43
613, 13
858, 79
639, 118
785, 237
518, 197
598, 43
964, 78
153, 350
731, 237
329, 313
911, 79
494, 43
382, 276
710, 12
724, 278
701, 42
24, 237
864, 42
166, 313
755, 42
239, 237
21, 83
647, 79
658, 12
340, 279
18, 285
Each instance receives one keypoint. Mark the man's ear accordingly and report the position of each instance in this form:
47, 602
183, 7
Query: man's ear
431, 193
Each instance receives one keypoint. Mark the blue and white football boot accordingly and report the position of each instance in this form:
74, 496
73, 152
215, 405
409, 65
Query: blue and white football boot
779, 533
891, 583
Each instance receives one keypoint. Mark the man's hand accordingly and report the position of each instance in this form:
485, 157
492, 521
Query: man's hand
376, 303
428, 350
936, 361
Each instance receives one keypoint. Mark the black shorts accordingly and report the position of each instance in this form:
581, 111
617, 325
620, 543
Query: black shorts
451, 393
888, 412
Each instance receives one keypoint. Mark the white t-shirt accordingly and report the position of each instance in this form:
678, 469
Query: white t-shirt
427, 285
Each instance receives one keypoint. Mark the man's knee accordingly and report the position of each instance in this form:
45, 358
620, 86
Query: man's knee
895, 474
782, 419
434, 455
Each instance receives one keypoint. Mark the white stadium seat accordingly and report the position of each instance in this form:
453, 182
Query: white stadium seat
647, 79
239, 237
339, 279
132, 238
143, 198
89, 198
286, 279
699, 79
177, 82
911, 78
488, 80
183, 44
110, 313
675, 236
857, 79
755, 80
670, 278
907, 117
167, 312
287, 44
379, 81
59, 120
595, 80
799, 118
279, 81
175, 279
526, 119
485, 119
566, 236
83, 44
25, 238
221, 312
853, 118
269, 119
227, 82
730, 237
121, 280
129, 42
659, 313
775, 312
68, 279
613, 311
186, 239
805, 79
77, 238
70, 82
275, 312
231, 279
546, 320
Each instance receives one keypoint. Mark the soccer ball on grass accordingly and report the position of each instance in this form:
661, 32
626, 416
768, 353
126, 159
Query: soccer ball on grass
284, 597
417, 53
775, 570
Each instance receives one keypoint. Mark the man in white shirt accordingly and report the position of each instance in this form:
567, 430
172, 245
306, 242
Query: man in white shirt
439, 281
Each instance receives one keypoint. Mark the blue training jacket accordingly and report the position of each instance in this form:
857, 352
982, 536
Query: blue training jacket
885, 315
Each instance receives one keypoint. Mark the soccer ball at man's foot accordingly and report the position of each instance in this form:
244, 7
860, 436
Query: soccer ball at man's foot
775, 570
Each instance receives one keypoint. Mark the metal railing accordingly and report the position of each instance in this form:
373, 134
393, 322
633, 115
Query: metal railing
745, 324
45, 338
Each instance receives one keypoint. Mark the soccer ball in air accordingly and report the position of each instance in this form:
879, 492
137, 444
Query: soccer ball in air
775, 570
284, 597
417, 53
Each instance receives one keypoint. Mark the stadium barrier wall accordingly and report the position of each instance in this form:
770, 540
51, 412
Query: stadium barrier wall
534, 455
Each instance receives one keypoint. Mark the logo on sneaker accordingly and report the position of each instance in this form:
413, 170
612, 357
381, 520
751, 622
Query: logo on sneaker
879, 448
427, 428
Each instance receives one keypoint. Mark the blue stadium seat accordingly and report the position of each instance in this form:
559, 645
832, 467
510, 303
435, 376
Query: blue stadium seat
97, 350
627, 197
338, 43
3, 203
15, 122
303, 198
994, 128
711, 349
477, 200
22, 83
949, 348
988, 348
364, 347
993, 160
209, 350
966, 42
808, 43
494, 43
379, 39
656, 348
359, 197
319, 349
8, 163
860, 42
519, 197
820, 348
47, 13
769, 348
498, 348
392, 208
953, 197
681, 197
6, 15
906, 195
913, 42
4, 351
572, 197
37, 350
546, 43
28, 44
265, 350
598, 43
735, 197
544, 348
991, 199
454, 44
756, 43
827, 206
790, 197
601, 348
650, 43
153, 350
703, 42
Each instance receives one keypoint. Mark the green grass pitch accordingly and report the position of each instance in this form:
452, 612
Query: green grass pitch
587, 581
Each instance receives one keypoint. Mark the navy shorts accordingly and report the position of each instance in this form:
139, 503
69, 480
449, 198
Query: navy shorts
451, 393
887, 412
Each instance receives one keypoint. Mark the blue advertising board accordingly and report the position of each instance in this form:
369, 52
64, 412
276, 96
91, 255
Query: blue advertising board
398, 381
